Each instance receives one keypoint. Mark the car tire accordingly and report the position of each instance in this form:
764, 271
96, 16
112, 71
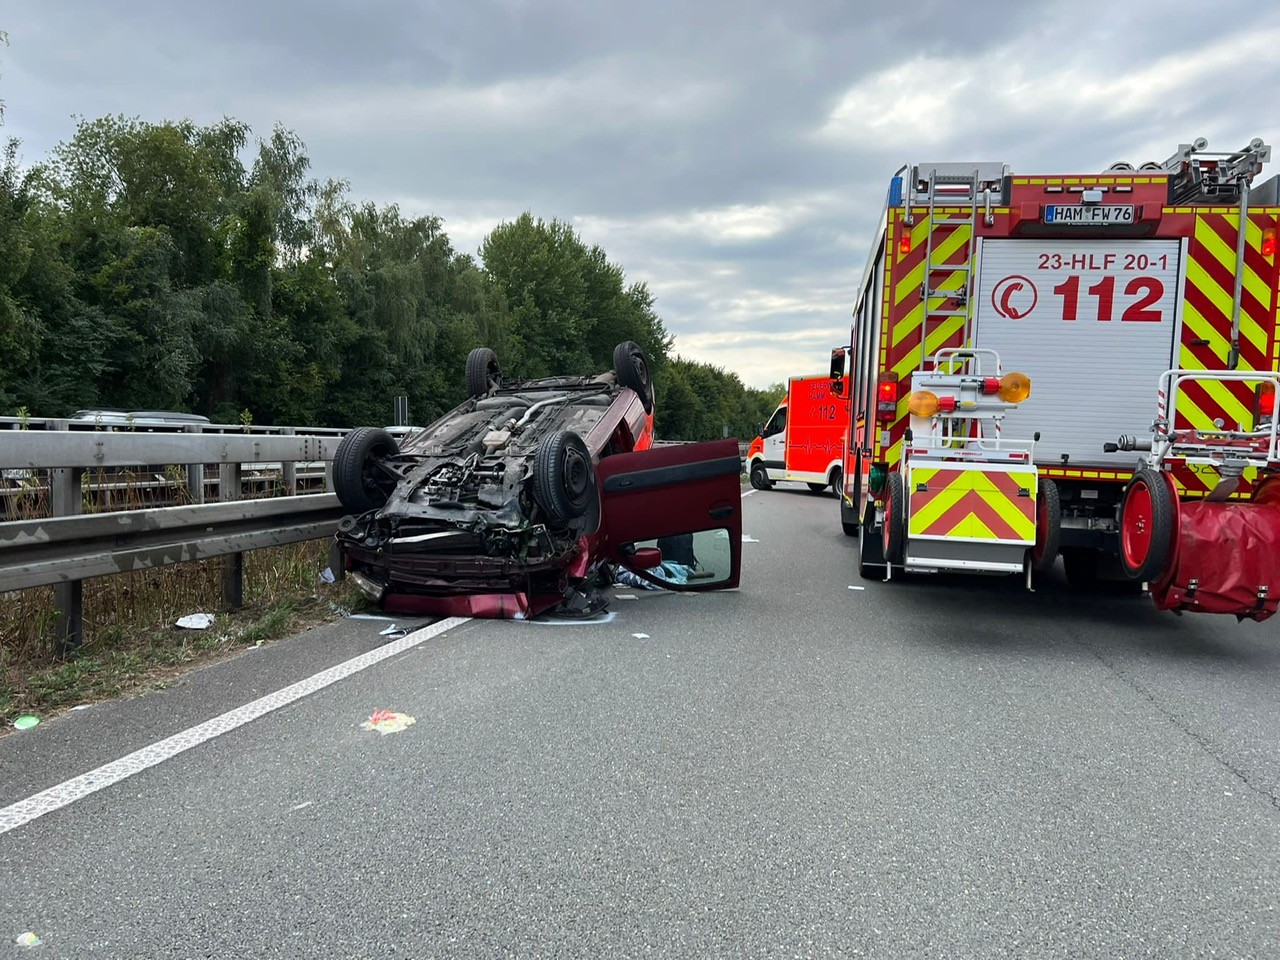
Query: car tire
564, 477
483, 372
836, 481
631, 367
360, 484
1048, 527
895, 520
760, 477
1146, 525
816, 487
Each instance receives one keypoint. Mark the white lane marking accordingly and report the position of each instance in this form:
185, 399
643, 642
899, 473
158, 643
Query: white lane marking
750, 493
47, 801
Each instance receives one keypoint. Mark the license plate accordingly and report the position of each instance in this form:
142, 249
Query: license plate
1090, 215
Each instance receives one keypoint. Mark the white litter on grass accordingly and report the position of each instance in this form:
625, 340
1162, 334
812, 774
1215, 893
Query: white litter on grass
82, 706
641, 636
326, 575
196, 621
852, 587
747, 538
624, 596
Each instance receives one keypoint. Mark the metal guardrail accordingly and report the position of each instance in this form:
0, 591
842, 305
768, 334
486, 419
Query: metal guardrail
71, 546
55, 550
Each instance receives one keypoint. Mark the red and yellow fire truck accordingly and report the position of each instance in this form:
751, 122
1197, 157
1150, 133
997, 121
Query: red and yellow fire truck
804, 439
1075, 365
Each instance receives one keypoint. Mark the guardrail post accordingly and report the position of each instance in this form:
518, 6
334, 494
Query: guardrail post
66, 500
229, 480
290, 469
195, 472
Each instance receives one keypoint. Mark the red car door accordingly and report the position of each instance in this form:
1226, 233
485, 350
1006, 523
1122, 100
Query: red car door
674, 514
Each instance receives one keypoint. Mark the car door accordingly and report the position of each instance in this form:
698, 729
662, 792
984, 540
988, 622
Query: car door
673, 514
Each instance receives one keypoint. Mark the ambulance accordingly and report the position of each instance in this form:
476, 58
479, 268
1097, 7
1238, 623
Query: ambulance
1076, 365
804, 439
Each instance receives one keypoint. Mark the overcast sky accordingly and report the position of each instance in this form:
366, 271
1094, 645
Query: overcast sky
732, 154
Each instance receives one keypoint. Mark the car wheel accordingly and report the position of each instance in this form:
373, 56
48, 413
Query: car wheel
760, 477
895, 521
1048, 527
816, 487
632, 370
837, 481
564, 478
483, 372
360, 483
1146, 525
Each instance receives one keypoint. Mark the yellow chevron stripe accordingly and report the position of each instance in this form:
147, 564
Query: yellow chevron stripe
1232, 409
961, 484
1203, 329
1216, 247
909, 285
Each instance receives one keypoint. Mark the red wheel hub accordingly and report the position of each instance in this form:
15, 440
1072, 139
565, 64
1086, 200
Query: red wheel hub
1135, 529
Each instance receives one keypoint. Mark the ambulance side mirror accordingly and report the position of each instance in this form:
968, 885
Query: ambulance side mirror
760, 429
837, 371
837, 366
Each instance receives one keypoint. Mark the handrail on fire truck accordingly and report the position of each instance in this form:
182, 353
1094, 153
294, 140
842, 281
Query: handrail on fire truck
972, 407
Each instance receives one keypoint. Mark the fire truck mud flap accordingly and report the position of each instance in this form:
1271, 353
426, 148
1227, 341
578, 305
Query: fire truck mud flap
1225, 558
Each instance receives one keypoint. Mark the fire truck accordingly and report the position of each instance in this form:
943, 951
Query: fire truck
804, 439
1078, 365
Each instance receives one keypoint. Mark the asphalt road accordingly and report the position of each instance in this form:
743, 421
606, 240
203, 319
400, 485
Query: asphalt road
924, 768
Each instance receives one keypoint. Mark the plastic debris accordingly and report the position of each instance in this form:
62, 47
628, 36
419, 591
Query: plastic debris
385, 721
623, 577
624, 596
393, 632
326, 575
28, 939
82, 706
25, 722
641, 636
196, 621
852, 587
747, 538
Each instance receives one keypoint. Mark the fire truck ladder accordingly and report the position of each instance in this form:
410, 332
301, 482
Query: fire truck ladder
946, 282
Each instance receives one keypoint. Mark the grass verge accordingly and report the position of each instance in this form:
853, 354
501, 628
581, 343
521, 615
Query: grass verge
132, 644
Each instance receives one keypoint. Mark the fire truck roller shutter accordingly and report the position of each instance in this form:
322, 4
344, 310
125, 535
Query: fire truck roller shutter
1092, 323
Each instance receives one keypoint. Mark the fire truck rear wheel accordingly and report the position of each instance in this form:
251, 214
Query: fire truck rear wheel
1048, 527
894, 533
760, 477
1146, 525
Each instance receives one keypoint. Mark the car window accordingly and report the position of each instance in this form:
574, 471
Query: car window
777, 423
703, 558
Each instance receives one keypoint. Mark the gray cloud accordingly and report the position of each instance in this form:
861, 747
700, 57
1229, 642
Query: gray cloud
734, 155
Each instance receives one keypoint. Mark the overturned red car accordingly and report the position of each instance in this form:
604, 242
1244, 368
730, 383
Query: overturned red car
520, 500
